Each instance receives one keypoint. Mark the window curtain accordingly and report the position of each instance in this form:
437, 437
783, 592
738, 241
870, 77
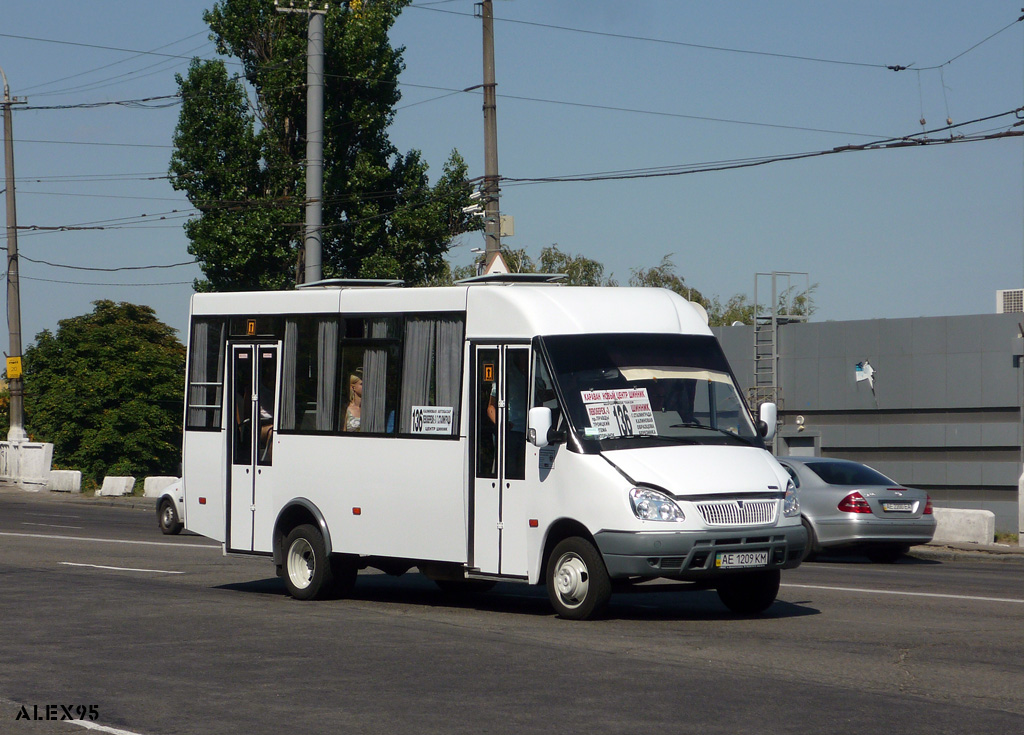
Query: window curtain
375, 378
327, 375
417, 368
448, 356
288, 370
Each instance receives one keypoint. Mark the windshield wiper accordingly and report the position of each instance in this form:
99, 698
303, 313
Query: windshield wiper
727, 433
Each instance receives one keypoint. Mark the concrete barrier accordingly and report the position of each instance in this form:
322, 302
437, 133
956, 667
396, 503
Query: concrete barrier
153, 486
958, 526
113, 485
65, 481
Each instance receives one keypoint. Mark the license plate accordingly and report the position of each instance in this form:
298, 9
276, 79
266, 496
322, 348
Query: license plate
738, 559
897, 507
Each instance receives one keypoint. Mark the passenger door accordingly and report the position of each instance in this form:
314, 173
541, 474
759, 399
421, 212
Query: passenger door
500, 392
253, 422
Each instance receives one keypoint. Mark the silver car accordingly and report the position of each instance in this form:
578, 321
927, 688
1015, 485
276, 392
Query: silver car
849, 506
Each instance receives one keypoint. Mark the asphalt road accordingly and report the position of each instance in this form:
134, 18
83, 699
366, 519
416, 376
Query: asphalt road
165, 635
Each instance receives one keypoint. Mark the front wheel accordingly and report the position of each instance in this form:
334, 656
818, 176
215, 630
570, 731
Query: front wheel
577, 580
167, 517
750, 593
308, 573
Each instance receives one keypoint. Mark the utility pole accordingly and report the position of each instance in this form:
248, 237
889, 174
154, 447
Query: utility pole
312, 244
492, 212
16, 433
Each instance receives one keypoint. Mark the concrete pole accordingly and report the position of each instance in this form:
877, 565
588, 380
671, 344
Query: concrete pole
16, 433
314, 146
492, 223
312, 240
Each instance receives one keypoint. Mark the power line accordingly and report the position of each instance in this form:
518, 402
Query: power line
724, 49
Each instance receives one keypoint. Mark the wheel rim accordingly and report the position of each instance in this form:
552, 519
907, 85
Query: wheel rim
572, 580
168, 516
301, 563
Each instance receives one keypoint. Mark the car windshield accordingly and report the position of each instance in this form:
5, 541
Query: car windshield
841, 473
644, 388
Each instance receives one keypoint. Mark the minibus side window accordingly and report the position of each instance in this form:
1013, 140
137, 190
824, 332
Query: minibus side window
431, 375
309, 399
206, 375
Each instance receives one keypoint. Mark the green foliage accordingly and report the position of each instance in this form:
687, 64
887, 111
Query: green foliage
107, 390
240, 161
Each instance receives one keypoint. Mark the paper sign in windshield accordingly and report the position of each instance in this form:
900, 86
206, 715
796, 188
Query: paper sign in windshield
618, 413
432, 419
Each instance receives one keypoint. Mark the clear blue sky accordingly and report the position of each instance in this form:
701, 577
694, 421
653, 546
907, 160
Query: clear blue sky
919, 231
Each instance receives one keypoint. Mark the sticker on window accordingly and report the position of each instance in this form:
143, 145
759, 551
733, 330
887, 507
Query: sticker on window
433, 419
618, 413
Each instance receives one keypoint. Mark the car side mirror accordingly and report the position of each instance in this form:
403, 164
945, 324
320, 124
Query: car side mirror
768, 417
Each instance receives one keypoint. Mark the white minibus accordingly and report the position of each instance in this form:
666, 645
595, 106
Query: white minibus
503, 429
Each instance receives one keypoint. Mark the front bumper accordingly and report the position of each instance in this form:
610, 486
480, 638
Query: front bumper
690, 555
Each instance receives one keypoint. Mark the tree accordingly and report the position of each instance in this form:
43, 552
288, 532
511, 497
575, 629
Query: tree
240, 161
106, 390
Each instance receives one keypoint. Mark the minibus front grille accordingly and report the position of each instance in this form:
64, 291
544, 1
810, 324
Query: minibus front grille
738, 512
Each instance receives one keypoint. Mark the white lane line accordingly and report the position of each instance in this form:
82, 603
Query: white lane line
112, 540
117, 569
906, 594
101, 728
49, 525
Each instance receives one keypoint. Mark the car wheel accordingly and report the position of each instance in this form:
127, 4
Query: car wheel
886, 554
577, 580
750, 593
167, 517
811, 550
308, 573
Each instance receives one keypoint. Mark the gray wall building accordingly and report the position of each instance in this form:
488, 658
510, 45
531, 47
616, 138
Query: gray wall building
941, 411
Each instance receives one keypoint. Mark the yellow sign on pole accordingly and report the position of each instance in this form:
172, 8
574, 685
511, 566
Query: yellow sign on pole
13, 368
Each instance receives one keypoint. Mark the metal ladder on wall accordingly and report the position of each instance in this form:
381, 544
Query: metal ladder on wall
768, 317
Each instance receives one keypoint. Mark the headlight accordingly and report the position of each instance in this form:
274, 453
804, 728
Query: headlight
650, 505
790, 504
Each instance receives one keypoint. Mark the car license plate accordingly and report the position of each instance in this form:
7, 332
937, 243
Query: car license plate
897, 507
738, 559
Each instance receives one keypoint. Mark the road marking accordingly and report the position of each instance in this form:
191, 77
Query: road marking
49, 525
112, 540
117, 569
102, 728
906, 594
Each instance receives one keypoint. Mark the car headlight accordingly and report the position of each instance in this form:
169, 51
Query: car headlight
790, 503
650, 505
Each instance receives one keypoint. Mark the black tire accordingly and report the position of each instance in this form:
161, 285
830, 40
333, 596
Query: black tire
167, 518
886, 554
308, 573
750, 593
811, 550
459, 587
577, 579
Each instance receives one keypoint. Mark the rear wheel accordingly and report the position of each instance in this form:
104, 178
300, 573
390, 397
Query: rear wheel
167, 517
750, 593
577, 580
811, 550
307, 570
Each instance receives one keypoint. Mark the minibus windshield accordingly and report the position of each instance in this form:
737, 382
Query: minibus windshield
627, 390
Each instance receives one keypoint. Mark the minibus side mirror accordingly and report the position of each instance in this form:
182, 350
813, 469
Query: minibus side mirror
539, 431
768, 416
538, 426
